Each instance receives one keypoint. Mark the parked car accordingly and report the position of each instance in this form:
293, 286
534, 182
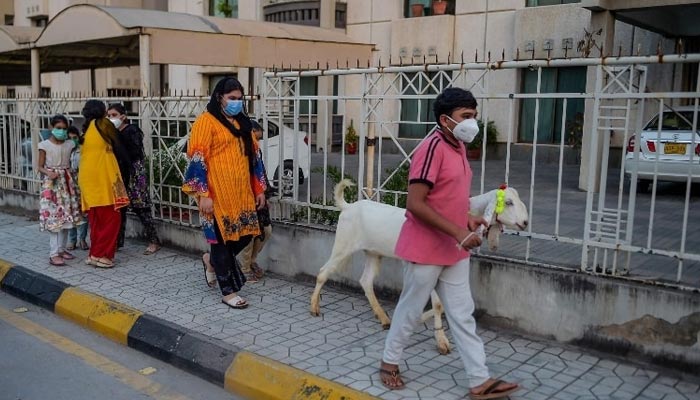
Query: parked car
672, 146
271, 156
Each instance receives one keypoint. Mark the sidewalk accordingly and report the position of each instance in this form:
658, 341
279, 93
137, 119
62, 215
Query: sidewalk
345, 344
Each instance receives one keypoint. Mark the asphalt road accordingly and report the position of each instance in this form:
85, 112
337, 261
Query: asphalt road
45, 357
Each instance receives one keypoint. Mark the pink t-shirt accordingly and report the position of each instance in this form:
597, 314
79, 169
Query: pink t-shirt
442, 166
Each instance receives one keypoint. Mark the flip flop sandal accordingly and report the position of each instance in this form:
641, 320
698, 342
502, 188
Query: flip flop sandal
60, 263
209, 277
395, 376
257, 271
99, 262
150, 250
70, 246
237, 302
67, 256
491, 391
251, 278
84, 245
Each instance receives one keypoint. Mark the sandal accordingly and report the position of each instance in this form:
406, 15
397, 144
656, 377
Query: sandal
257, 271
57, 261
102, 262
237, 302
84, 245
151, 249
70, 246
250, 277
209, 277
492, 391
394, 382
66, 255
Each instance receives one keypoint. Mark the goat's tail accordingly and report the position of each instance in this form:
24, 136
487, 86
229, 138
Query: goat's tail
338, 193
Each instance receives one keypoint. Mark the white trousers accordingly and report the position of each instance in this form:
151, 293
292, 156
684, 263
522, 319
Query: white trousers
452, 285
57, 242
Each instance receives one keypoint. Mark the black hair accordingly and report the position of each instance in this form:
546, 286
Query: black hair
227, 85
74, 130
452, 99
118, 107
59, 118
93, 109
255, 126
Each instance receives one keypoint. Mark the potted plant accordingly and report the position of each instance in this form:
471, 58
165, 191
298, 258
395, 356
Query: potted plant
351, 139
439, 7
224, 8
474, 148
417, 9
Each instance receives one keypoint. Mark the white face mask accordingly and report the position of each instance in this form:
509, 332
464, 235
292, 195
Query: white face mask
117, 122
466, 130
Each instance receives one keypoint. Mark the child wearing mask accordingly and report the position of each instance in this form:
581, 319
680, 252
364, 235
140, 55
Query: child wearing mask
59, 204
78, 234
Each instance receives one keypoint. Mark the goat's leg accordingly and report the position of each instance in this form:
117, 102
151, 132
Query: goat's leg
436, 312
367, 282
338, 260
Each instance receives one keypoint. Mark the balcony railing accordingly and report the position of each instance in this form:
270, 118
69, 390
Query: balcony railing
303, 13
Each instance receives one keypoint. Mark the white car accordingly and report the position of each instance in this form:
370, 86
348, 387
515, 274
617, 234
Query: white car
673, 146
271, 156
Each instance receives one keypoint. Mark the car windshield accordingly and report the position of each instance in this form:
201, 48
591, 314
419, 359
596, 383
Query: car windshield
673, 121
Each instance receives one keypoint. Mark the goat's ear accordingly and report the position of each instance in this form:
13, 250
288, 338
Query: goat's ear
494, 236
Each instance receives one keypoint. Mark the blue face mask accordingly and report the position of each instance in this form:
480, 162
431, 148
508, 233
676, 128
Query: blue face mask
233, 107
59, 134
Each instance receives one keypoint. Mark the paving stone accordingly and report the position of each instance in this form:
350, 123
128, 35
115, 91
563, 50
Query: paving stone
346, 344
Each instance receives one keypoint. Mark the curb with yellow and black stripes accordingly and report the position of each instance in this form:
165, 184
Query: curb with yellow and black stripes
240, 372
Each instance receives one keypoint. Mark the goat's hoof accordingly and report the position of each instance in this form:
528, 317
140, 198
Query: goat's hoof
386, 326
444, 350
315, 312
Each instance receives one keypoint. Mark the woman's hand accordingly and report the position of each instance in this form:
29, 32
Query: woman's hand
260, 201
52, 174
206, 205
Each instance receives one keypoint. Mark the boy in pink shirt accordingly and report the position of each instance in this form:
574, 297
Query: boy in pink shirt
434, 243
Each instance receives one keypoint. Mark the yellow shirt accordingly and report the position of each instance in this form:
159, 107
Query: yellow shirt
99, 180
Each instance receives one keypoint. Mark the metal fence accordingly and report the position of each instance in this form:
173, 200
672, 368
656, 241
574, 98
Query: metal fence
608, 229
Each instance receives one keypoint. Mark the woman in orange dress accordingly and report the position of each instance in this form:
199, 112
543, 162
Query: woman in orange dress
224, 175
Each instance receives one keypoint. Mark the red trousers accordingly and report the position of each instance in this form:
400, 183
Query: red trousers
104, 229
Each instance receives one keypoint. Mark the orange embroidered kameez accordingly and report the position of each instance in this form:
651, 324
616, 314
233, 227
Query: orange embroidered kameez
218, 168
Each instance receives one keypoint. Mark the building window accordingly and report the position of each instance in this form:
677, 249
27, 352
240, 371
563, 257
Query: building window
215, 78
223, 8
554, 80
40, 22
416, 112
9, 19
308, 86
428, 8
537, 3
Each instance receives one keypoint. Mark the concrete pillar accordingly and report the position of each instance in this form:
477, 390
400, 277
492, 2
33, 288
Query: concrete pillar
145, 64
144, 108
327, 14
599, 20
36, 72
324, 122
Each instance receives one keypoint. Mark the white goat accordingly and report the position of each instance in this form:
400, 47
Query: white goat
374, 228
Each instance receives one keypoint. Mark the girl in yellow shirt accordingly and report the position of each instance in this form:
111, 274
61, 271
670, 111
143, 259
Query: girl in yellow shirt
102, 188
